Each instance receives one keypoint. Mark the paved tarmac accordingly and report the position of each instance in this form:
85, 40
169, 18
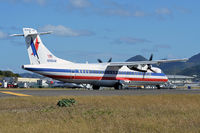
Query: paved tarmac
63, 92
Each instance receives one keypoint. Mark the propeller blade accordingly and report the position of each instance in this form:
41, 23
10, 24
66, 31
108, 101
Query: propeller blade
148, 68
152, 70
151, 57
99, 60
110, 60
137, 69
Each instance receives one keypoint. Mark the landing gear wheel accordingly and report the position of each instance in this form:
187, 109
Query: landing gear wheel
158, 86
118, 87
95, 87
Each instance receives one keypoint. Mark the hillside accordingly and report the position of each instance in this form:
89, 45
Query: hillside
24, 75
195, 70
182, 67
8, 74
173, 68
136, 58
30, 75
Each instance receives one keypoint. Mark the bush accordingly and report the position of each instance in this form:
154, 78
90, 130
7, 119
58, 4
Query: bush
66, 102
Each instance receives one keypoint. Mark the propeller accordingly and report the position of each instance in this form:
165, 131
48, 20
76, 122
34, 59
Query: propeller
149, 67
100, 61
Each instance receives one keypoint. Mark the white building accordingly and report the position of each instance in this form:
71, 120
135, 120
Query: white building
26, 82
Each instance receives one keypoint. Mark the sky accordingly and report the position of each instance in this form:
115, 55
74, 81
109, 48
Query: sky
85, 30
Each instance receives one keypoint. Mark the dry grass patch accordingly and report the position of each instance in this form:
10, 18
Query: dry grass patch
117, 114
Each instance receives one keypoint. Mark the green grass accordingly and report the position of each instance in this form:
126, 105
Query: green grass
112, 114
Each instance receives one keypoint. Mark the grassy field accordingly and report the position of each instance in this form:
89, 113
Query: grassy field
91, 114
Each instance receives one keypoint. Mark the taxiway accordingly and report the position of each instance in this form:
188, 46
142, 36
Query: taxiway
63, 92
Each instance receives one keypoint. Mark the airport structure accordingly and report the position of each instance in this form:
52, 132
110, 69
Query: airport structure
26, 82
180, 80
20, 82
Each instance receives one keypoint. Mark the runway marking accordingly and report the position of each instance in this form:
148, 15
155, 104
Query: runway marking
12, 93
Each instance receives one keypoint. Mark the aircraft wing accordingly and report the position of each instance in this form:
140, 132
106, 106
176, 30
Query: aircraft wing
120, 64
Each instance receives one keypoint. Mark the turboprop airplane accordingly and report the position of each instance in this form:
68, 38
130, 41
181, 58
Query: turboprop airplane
110, 74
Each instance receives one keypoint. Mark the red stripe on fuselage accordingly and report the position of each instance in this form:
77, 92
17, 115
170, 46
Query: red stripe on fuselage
106, 78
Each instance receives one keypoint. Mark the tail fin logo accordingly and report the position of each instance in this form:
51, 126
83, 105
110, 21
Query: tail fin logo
35, 47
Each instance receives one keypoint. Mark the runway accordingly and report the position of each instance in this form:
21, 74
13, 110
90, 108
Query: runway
63, 92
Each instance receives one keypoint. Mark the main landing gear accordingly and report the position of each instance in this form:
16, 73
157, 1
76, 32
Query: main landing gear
158, 86
95, 87
118, 86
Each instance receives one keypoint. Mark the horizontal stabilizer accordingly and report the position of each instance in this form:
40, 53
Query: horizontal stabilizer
17, 35
41, 33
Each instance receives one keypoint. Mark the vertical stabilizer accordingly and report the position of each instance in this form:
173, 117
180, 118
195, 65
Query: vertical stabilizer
37, 52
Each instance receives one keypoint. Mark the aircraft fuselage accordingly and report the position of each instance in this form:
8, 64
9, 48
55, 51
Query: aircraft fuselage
98, 74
